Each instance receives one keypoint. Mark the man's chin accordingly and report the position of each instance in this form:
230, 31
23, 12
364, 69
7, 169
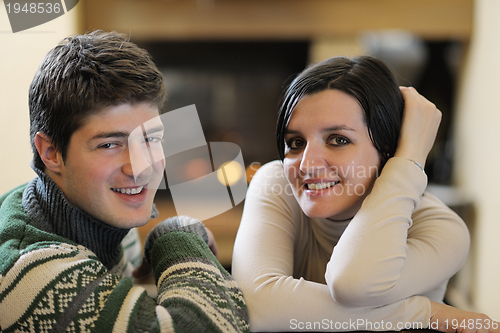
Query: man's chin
138, 221
123, 220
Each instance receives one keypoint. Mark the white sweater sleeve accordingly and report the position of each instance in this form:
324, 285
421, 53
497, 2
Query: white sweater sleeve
263, 267
386, 254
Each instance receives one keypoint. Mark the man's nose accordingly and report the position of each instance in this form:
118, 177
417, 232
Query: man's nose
139, 163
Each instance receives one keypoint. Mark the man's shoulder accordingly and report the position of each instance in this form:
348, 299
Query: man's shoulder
12, 214
16, 231
15, 193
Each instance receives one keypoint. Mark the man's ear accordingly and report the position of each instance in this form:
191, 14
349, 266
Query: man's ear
48, 152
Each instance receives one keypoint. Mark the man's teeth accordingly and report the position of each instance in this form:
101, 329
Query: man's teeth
129, 190
320, 186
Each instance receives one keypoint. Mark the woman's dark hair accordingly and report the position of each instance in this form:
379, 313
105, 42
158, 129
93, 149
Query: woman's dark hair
365, 78
81, 76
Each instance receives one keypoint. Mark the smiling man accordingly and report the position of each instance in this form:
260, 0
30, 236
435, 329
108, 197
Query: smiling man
94, 110
96, 174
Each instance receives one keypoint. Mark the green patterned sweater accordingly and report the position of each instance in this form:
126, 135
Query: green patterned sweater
76, 282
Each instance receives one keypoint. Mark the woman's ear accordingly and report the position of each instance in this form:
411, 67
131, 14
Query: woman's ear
48, 152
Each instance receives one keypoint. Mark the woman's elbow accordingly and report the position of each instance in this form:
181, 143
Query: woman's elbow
356, 290
346, 291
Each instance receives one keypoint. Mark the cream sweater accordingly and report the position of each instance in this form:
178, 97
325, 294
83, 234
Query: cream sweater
296, 272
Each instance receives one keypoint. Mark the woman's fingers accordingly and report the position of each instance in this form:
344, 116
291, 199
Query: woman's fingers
421, 120
445, 318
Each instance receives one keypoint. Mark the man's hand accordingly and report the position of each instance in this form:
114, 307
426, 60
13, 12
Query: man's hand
145, 269
211, 243
142, 271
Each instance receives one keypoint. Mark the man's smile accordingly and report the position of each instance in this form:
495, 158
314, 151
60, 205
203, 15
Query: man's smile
128, 190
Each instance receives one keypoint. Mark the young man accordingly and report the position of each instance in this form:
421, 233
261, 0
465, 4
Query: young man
62, 266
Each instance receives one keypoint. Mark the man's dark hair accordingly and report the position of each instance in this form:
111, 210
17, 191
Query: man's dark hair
365, 78
81, 76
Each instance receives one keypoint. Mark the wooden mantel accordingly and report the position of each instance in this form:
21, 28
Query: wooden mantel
277, 19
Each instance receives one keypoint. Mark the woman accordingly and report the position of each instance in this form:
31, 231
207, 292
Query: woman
339, 234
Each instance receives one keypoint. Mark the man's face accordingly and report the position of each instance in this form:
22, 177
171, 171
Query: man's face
108, 172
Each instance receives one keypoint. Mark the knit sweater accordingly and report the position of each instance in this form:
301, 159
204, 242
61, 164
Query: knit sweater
63, 270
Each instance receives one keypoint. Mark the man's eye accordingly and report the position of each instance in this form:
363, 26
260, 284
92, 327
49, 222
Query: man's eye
153, 139
295, 143
108, 145
338, 140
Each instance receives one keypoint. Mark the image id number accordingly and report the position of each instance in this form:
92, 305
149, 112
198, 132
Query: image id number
34, 8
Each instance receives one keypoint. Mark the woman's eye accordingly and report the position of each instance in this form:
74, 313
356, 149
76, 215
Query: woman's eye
338, 140
295, 143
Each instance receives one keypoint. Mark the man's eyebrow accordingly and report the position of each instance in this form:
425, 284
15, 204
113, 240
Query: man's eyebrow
122, 134
155, 129
326, 129
105, 135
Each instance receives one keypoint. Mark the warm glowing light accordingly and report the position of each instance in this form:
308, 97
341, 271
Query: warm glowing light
197, 168
233, 171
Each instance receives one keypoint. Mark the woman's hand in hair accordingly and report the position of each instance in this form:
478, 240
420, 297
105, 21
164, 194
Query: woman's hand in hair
445, 318
421, 120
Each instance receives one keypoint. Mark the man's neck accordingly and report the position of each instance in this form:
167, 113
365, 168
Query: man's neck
51, 211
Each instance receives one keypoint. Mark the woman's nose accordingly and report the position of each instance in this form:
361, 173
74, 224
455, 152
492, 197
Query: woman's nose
312, 159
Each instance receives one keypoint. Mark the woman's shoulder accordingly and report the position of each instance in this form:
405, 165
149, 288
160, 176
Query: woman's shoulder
269, 174
433, 209
270, 184
273, 168
433, 201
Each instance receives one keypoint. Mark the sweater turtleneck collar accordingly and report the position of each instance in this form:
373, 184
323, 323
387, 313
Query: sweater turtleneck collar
50, 210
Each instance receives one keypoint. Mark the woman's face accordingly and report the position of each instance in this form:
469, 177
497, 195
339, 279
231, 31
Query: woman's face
330, 160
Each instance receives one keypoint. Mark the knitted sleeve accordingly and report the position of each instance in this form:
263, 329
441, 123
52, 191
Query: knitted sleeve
198, 293
61, 287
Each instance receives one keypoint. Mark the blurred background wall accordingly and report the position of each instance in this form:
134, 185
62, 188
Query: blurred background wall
232, 58
20, 55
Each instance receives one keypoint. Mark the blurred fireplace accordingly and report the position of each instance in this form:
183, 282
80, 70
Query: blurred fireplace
236, 87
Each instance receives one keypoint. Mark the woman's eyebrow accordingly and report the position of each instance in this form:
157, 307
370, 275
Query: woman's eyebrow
338, 128
326, 129
288, 131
